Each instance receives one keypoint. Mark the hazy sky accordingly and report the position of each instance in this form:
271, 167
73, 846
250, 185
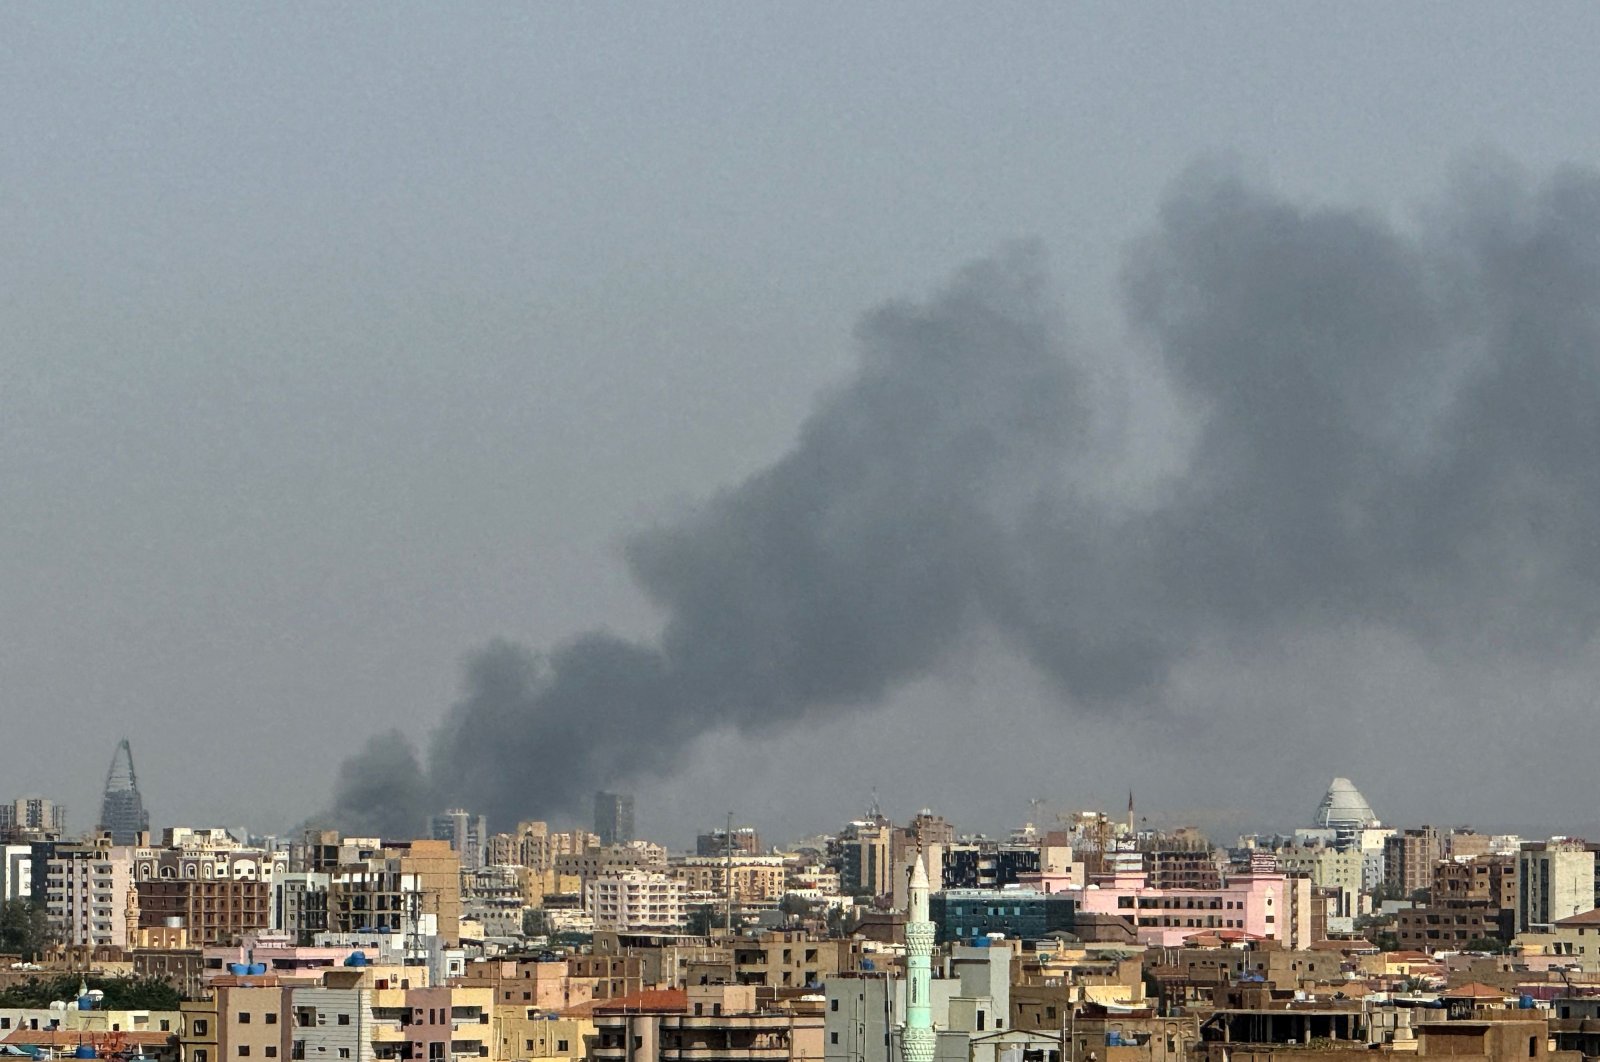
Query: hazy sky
338, 341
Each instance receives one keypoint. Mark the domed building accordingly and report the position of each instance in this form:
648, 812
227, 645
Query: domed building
1344, 808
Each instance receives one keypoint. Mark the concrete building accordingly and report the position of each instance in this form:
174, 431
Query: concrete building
613, 817
467, 834
1263, 904
1555, 880
32, 817
1332, 868
1409, 858
970, 997
756, 879
86, 890
707, 1023
16, 872
745, 841
299, 904
866, 868
404, 887
635, 900
966, 915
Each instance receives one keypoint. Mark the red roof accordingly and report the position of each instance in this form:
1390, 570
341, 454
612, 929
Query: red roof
69, 1038
650, 1001
1582, 918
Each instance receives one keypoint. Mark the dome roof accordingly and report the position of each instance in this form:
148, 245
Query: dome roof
1344, 806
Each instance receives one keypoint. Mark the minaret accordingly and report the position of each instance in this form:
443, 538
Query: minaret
131, 919
918, 1040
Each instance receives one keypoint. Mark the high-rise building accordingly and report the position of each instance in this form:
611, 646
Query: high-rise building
468, 835
32, 815
86, 890
745, 841
1555, 880
1409, 858
122, 812
613, 817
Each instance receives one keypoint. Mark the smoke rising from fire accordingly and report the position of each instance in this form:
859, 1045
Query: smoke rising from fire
1390, 425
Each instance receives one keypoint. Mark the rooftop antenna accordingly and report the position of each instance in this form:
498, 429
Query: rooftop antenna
727, 872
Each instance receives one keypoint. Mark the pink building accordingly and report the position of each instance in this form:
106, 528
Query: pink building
1259, 904
278, 954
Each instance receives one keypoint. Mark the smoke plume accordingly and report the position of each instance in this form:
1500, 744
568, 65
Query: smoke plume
1390, 425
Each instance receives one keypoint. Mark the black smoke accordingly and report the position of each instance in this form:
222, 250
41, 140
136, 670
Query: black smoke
1390, 424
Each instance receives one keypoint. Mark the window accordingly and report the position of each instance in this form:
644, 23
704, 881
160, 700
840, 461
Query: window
271, 1019
561, 1045
199, 1026
271, 1052
344, 1019
198, 1055
344, 1052
833, 1038
833, 1005
244, 1050
244, 1018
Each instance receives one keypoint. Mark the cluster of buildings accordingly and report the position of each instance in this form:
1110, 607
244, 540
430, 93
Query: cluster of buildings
1090, 940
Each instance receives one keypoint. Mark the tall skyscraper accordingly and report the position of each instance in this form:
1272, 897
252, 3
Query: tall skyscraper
613, 817
467, 833
122, 812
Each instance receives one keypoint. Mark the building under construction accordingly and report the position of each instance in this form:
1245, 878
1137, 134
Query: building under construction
122, 812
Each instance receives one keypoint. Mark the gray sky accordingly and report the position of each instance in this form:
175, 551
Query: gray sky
337, 342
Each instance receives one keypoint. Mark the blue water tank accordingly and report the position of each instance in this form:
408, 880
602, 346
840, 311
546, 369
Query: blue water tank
239, 969
867, 965
1113, 1038
83, 1051
357, 958
85, 1003
1525, 1002
258, 968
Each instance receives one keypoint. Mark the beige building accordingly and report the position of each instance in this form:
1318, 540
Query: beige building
635, 900
86, 892
756, 879
707, 1023
413, 885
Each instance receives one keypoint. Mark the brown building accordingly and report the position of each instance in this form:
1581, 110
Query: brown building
1409, 859
212, 910
707, 1023
237, 1022
395, 888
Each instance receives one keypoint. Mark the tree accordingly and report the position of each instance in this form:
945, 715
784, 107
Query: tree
25, 929
121, 993
535, 923
795, 907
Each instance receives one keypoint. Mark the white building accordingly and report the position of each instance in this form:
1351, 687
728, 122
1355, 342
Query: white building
16, 872
86, 892
1555, 880
635, 900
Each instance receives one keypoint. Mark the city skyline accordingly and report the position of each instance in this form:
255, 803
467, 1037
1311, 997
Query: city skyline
326, 371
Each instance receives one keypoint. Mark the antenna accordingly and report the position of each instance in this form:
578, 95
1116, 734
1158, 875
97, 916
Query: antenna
727, 871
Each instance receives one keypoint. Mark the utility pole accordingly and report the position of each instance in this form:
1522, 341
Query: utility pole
727, 872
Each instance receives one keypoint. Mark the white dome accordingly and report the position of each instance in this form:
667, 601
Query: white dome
1345, 807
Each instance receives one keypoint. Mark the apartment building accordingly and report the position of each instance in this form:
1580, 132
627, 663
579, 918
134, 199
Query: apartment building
635, 900
86, 891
